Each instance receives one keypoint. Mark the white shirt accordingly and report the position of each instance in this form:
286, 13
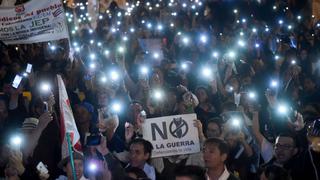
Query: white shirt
224, 176
266, 150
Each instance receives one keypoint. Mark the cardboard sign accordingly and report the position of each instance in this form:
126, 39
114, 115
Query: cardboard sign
172, 135
32, 22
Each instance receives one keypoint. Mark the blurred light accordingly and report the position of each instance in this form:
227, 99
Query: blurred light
121, 49
274, 83
156, 55
53, 47
252, 95
215, 54
282, 109
257, 45
45, 87
16, 140
106, 52
203, 38
158, 94
132, 30
289, 27
206, 72
144, 70
293, 62
299, 17
93, 166
114, 75
104, 79
159, 27
184, 66
231, 54
254, 30
241, 43
116, 107
92, 65
92, 56
185, 40
280, 21
244, 20
235, 11
276, 57
235, 122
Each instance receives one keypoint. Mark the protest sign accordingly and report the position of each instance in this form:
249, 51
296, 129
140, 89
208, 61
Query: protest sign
32, 22
172, 135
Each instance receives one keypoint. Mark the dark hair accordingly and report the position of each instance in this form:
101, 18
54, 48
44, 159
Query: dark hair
289, 135
193, 172
138, 172
273, 172
217, 121
147, 146
221, 144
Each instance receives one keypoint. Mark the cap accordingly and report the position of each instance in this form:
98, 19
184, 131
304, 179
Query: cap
30, 123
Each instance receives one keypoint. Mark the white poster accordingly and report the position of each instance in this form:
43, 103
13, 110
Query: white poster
32, 22
172, 135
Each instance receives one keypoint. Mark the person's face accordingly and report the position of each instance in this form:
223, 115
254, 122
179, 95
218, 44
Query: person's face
137, 155
213, 157
213, 130
103, 98
78, 165
284, 149
231, 138
315, 143
201, 95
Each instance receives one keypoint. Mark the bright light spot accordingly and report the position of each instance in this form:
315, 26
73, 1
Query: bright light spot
235, 11
276, 57
92, 56
206, 72
114, 75
45, 87
235, 122
184, 66
156, 55
293, 62
92, 65
274, 83
106, 52
280, 21
158, 94
257, 45
283, 109
185, 40
144, 70
254, 30
241, 43
244, 20
203, 38
116, 107
16, 140
231, 54
252, 95
299, 17
121, 49
215, 54
53, 47
103, 79
92, 166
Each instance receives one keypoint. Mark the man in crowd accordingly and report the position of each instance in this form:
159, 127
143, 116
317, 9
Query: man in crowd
140, 154
215, 154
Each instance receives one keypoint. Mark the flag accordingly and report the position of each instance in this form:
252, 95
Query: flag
68, 124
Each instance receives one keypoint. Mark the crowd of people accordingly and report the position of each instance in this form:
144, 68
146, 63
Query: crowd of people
248, 69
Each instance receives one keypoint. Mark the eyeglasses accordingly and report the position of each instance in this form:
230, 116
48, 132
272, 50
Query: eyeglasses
284, 147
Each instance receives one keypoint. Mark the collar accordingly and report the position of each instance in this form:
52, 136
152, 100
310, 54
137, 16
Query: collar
224, 176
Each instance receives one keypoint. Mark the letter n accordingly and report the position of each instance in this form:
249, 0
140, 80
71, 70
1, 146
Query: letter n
155, 127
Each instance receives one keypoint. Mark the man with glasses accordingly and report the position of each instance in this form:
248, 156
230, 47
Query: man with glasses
285, 149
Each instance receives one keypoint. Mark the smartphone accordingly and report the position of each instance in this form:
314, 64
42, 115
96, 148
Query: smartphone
29, 68
93, 140
42, 168
16, 82
46, 107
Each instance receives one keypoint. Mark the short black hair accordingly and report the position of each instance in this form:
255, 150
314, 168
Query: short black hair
221, 144
137, 171
147, 146
193, 172
290, 135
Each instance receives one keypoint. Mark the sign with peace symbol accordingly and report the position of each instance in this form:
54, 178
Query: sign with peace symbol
178, 128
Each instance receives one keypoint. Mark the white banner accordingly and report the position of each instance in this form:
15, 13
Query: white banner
32, 22
172, 135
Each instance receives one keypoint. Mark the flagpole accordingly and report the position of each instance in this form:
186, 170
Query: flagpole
71, 156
